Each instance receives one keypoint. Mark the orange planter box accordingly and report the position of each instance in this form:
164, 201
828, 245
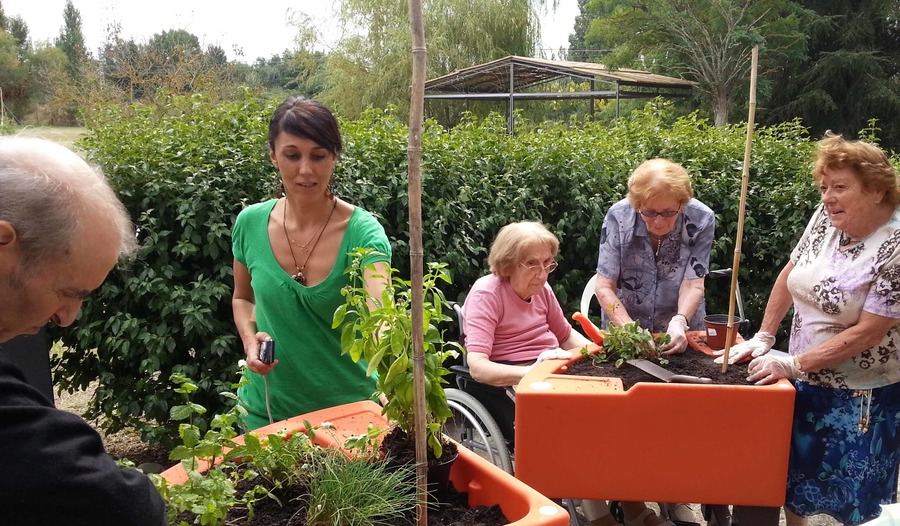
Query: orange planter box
486, 484
586, 437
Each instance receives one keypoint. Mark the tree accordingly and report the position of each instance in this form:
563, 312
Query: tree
371, 66
216, 55
851, 75
172, 46
18, 29
708, 41
578, 49
71, 37
13, 75
172, 62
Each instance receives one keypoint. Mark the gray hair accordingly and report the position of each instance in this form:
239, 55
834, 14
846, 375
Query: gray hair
45, 189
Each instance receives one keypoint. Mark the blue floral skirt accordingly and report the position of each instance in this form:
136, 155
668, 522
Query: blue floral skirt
838, 466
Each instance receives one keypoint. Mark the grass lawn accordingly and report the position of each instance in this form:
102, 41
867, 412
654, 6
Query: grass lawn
65, 135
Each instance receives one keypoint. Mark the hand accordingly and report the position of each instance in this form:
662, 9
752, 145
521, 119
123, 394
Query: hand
760, 344
677, 327
769, 369
252, 351
552, 354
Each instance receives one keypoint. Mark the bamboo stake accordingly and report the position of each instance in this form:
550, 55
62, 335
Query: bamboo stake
745, 181
416, 253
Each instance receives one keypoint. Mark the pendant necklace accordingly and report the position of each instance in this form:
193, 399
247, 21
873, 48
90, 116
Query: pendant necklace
847, 240
659, 243
299, 277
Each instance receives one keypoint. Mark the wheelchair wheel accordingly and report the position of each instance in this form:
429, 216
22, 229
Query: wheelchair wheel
472, 426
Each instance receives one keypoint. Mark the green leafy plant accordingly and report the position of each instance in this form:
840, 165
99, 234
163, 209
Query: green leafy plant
628, 341
378, 331
206, 495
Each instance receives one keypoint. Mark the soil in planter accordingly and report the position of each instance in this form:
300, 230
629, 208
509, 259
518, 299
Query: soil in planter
690, 362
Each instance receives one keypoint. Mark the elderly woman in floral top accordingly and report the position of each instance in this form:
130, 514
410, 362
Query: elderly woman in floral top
843, 280
654, 254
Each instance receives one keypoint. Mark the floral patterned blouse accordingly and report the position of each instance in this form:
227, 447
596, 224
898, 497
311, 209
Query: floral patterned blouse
646, 283
831, 286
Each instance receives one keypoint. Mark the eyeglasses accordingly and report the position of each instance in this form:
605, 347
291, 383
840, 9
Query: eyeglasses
550, 267
650, 214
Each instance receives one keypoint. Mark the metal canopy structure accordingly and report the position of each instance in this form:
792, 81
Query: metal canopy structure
507, 78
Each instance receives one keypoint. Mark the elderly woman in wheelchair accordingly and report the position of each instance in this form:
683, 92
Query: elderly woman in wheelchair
513, 319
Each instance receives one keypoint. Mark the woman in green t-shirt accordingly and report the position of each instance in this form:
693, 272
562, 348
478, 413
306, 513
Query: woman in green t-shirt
289, 259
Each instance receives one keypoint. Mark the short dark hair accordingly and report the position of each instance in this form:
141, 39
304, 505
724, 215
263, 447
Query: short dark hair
306, 118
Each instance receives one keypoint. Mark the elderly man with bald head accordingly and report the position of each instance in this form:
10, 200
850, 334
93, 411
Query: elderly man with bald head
62, 229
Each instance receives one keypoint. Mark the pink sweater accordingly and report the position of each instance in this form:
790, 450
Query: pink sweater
507, 328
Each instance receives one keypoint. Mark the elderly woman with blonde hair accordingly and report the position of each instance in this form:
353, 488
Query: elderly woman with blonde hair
654, 254
653, 259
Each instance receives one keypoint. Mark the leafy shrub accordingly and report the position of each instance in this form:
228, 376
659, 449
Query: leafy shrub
183, 174
185, 170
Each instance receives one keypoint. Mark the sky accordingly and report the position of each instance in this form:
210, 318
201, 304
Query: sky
244, 33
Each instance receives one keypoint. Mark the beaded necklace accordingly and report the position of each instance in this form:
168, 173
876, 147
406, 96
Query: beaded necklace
300, 277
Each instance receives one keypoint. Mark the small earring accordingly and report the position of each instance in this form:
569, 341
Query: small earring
329, 190
279, 189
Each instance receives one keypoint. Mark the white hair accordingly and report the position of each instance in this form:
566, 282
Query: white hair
45, 189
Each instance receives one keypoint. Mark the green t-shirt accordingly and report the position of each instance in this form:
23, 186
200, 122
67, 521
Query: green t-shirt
311, 373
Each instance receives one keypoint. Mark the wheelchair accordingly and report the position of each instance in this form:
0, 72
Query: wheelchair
483, 417
474, 405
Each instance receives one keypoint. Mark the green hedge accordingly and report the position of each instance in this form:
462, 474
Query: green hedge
186, 170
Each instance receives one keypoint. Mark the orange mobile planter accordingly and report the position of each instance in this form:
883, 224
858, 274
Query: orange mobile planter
485, 483
713, 444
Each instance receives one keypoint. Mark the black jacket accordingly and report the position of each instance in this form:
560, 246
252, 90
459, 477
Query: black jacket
54, 470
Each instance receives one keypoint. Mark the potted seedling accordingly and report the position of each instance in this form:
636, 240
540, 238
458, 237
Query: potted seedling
378, 332
665, 442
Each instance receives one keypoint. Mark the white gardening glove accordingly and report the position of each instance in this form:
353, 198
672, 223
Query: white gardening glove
758, 345
769, 369
552, 354
677, 327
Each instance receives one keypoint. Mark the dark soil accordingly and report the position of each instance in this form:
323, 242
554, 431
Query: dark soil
691, 362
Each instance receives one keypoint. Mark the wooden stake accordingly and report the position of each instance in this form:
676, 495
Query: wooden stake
416, 254
745, 180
